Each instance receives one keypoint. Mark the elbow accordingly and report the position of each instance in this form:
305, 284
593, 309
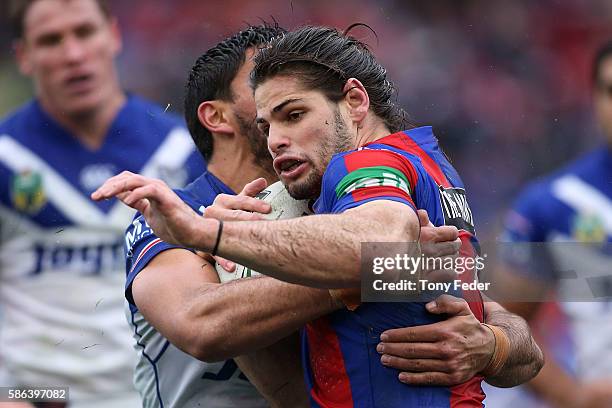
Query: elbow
206, 348
204, 337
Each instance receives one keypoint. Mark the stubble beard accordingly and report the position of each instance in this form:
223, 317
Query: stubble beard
257, 144
338, 141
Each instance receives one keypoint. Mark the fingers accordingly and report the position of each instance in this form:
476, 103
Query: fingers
439, 249
423, 218
450, 305
254, 187
430, 378
415, 365
240, 202
231, 215
226, 264
425, 333
443, 233
123, 182
413, 350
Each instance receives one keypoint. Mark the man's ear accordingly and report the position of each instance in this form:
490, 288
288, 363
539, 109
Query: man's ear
357, 100
22, 57
213, 116
116, 36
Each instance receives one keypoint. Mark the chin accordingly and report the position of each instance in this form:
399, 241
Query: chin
305, 190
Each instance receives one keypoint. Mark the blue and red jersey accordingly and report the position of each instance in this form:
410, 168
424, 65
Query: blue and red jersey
343, 368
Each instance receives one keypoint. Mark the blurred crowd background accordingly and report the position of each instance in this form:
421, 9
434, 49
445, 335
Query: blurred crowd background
506, 84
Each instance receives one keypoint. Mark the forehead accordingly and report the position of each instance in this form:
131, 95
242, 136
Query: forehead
59, 15
277, 90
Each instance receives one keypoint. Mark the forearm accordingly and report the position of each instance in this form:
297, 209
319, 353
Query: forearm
249, 314
525, 358
319, 251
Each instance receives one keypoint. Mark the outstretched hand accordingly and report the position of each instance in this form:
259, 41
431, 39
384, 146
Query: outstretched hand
170, 218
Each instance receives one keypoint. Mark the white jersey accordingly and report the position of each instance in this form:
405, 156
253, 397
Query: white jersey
165, 376
62, 269
168, 377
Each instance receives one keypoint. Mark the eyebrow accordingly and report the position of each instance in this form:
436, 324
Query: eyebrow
278, 107
284, 103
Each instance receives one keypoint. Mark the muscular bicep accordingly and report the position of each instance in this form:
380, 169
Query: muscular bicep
163, 291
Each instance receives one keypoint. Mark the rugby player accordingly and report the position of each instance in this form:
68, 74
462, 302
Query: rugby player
220, 113
574, 204
61, 255
306, 124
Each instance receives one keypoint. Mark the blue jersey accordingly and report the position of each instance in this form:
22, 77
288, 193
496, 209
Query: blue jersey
61, 254
166, 376
573, 204
343, 367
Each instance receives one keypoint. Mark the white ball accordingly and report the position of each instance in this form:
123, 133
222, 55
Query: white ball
283, 207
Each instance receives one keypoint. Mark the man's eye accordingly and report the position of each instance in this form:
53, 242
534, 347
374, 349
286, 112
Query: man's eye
49, 40
85, 31
295, 116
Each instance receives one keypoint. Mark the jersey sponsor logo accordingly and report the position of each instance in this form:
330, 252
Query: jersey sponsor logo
84, 260
27, 192
138, 230
375, 176
456, 209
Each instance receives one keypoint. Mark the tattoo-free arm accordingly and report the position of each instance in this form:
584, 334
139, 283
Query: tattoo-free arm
318, 251
179, 294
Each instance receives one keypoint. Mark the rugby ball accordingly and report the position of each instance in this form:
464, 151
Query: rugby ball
283, 207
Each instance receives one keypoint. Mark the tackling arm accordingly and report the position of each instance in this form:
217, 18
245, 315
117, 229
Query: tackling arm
179, 294
319, 251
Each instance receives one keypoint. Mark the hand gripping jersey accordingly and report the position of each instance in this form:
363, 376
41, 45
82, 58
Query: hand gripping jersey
61, 254
166, 376
342, 364
573, 204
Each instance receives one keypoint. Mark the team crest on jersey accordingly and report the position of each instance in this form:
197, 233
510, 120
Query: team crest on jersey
27, 192
588, 228
456, 209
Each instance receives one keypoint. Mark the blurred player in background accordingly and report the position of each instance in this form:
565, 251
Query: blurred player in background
301, 255
572, 204
61, 255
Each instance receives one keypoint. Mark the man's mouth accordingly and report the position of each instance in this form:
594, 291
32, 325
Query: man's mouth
289, 167
79, 83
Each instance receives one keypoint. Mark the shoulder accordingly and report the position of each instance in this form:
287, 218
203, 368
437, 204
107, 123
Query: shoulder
14, 122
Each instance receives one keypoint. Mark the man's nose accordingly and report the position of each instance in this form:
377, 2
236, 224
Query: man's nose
74, 50
277, 141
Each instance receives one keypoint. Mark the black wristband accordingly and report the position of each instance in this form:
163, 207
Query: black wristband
219, 231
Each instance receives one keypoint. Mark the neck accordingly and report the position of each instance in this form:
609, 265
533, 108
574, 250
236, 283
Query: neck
233, 163
89, 128
371, 129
